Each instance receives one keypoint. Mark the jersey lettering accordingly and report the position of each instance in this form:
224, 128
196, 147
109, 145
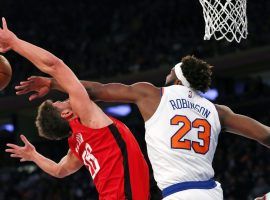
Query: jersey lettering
187, 125
90, 161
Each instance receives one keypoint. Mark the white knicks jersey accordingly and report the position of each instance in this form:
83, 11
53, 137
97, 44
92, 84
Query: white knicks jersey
182, 136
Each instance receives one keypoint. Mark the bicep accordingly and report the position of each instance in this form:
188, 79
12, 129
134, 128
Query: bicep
117, 92
242, 125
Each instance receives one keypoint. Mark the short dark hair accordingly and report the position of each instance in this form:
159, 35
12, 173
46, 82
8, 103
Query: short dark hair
197, 72
49, 122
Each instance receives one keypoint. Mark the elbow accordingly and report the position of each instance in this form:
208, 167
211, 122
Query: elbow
59, 173
61, 176
52, 66
266, 140
264, 137
51, 61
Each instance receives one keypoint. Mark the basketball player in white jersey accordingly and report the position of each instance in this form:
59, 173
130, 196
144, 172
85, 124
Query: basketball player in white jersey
182, 127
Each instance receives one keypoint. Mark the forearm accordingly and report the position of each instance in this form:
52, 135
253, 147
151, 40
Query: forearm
41, 58
93, 88
46, 164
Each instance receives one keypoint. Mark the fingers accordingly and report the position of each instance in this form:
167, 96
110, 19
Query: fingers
21, 87
14, 149
15, 156
14, 146
4, 23
24, 139
33, 96
14, 153
22, 92
4, 49
23, 84
31, 78
28, 82
10, 150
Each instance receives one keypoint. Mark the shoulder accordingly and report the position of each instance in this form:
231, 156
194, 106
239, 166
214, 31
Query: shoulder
223, 112
222, 109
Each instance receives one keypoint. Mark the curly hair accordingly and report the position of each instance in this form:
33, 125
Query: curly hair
197, 72
49, 122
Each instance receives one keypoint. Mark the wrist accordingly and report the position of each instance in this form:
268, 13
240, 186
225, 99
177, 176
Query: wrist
34, 156
13, 41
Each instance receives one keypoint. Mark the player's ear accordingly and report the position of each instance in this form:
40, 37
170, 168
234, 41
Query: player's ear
67, 114
177, 82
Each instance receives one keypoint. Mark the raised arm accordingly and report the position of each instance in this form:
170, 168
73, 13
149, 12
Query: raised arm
81, 105
243, 125
68, 164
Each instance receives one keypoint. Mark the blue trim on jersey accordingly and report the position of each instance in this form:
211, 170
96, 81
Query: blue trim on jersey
161, 91
210, 184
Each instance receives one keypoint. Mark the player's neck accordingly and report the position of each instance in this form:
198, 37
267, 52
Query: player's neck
71, 117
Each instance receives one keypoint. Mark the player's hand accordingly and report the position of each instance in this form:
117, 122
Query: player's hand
24, 153
264, 197
37, 84
259, 198
6, 37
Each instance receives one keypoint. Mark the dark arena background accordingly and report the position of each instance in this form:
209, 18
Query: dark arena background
129, 41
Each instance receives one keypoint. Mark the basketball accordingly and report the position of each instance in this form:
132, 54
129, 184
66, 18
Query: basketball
5, 72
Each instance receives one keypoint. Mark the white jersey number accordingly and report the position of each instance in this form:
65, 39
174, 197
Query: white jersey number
185, 128
90, 161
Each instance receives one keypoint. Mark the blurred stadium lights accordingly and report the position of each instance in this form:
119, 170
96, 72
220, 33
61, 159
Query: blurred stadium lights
211, 94
7, 127
119, 110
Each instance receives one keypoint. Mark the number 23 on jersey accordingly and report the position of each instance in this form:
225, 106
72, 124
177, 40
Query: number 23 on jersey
187, 125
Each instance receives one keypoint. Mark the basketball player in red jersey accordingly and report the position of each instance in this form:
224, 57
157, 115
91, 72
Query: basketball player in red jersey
101, 143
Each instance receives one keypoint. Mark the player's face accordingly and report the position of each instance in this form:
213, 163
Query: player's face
62, 105
171, 77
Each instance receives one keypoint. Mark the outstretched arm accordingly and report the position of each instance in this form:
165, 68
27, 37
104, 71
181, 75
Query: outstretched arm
113, 92
243, 125
68, 164
89, 114
118, 92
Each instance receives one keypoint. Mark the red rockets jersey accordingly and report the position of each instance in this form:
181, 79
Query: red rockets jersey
113, 158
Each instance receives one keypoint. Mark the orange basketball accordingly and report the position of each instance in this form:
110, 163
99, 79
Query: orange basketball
5, 72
